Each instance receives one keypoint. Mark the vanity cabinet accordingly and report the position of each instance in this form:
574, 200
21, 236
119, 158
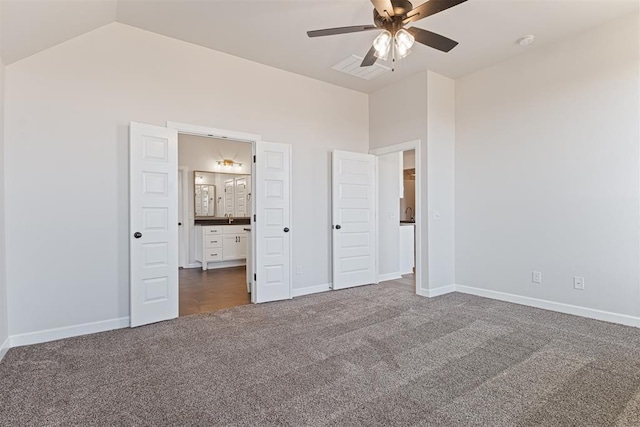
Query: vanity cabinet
234, 247
221, 243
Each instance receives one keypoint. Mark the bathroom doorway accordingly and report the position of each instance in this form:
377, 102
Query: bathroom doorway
215, 226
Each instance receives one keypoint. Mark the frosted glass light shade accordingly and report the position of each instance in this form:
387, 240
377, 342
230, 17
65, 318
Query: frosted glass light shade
382, 44
404, 41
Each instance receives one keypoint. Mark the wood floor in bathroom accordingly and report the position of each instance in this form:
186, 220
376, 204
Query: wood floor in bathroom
205, 291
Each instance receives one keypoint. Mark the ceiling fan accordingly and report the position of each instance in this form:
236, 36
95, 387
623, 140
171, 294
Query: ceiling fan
391, 16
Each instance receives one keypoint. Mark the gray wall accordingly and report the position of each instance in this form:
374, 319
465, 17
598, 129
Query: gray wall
548, 172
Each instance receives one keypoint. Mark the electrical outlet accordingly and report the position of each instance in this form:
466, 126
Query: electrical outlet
536, 277
578, 283
299, 270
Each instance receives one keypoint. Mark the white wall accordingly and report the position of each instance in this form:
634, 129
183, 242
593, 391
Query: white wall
390, 125
202, 153
409, 159
441, 140
199, 153
427, 114
4, 330
67, 116
389, 221
548, 172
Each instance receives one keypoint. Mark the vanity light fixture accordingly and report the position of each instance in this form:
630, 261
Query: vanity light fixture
228, 164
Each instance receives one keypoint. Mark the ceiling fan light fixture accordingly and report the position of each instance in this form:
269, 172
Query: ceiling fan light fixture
404, 40
382, 44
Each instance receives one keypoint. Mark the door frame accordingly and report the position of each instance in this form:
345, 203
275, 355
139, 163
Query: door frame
422, 265
251, 138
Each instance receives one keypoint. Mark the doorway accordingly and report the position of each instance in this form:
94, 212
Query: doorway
407, 211
399, 213
153, 220
216, 223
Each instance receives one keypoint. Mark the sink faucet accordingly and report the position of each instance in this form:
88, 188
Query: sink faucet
411, 218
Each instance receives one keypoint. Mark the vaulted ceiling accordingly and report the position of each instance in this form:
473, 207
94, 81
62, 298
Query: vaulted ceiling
274, 32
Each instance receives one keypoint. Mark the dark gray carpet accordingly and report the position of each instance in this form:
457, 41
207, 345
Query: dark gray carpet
376, 355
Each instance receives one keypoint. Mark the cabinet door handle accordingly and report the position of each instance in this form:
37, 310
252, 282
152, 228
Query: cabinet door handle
286, 229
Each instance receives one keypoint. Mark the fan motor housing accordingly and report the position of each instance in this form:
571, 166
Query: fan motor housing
393, 23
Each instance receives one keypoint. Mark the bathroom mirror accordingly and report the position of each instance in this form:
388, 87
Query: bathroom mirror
221, 195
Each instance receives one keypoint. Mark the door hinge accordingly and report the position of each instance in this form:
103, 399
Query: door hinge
254, 217
255, 277
254, 159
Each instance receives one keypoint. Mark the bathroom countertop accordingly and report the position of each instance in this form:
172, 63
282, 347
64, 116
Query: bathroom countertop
222, 221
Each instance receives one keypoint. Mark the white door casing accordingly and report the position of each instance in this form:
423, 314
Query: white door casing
273, 222
354, 224
153, 216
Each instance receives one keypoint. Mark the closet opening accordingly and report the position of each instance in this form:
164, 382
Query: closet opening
214, 223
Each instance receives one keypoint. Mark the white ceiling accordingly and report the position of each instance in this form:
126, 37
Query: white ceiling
274, 32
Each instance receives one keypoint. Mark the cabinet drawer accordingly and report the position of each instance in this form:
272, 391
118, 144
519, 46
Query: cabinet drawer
209, 230
213, 254
212, 241
234, 229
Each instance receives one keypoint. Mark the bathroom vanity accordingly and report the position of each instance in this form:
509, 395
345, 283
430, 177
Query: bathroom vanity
216, 245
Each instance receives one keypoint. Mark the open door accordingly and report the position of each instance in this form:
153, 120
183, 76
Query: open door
153, 186
272, 222
354, 225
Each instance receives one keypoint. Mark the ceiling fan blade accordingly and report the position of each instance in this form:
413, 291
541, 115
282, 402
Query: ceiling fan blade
430, 8
370, 58
433, 40
384, 8
341, 30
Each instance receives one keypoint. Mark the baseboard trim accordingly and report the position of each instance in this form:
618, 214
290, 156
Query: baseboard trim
67, 332
389, 276
312, 290
4, 348
590, 313
214, 265
194, 265
436, 292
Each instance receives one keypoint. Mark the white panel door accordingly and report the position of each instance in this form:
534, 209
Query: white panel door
354, 228
229, 195
241, 197
153, 216
273, 219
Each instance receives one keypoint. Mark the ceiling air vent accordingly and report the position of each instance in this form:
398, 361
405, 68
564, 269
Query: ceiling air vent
351, 66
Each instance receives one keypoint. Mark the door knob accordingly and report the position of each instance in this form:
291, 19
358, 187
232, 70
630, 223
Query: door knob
338, 227
137, 234
286, 229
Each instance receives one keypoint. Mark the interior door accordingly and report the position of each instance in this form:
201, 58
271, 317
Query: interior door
229, 195
272, 222
153, 204
354, 226
241, 197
